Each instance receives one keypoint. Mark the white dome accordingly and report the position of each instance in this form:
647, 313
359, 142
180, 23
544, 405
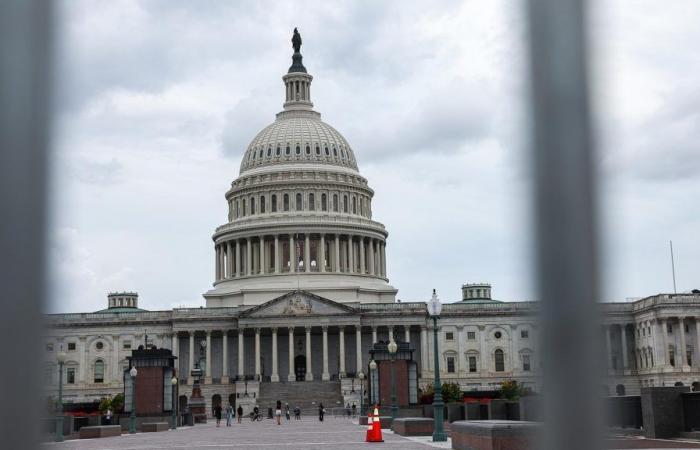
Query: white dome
298, 137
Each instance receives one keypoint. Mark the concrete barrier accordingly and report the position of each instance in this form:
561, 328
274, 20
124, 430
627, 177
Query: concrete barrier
494, 435
413, 426
100, 431
154, 427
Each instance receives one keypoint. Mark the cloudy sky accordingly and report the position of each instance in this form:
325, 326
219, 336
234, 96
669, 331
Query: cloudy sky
157, 101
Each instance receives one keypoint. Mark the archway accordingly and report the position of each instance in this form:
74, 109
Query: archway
232, 400
182, 403
300, 367
215, 401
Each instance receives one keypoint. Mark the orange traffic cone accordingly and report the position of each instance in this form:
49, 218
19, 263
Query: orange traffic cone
370, 427
376, 427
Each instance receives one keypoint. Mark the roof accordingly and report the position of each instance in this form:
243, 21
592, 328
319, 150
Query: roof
121, 309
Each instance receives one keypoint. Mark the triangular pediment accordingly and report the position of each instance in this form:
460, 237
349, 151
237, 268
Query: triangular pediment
298, 304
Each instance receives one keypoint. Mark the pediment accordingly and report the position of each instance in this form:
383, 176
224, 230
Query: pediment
298, 304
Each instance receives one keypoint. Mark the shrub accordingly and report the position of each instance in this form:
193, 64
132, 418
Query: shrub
512, 390
451, 392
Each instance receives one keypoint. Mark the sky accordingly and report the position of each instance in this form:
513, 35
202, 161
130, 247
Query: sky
156, 102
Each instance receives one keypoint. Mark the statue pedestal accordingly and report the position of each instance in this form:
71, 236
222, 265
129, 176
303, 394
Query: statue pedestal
197, 405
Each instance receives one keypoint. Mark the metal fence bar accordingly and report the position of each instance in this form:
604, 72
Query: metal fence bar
25, 29
565, 219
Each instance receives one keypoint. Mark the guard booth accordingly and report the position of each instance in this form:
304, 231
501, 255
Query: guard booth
155, 394
405, 373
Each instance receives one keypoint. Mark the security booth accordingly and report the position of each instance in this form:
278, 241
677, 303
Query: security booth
400, 367
151, 383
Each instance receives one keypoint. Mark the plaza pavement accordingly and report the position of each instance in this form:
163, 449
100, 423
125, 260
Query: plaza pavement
307, 434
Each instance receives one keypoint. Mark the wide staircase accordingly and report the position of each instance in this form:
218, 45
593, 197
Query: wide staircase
304, 394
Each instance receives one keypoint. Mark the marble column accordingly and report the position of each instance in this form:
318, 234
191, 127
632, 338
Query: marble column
407, 333
115, 359
291, 376
683, 350
189, 372
275, 372
371, 257
383, 256
229, 260
238, 259
176, 346
608, 346
664, 347
325, 376
216, 263
224, 357
424, 350
336, 254
292, 255
277, 254
207, 371
351, 255
322, 253
341, 344
82, 365
623, 335
262, 254
241, 359
249, 256
257, 355
697, 348
390, 328
362, 255
374, 335
307, 253
309, 375
222, 262
358, 349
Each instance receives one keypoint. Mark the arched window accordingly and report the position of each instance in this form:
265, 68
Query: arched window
252, 156
335, 152
243, 208
324, 203
261, 153
252, 205
328, 153
278, 150
262, 204
362, 206
99, 371
308, 150
298, 149
354, 205
299, 205
269, 151
238, 212
345, 203
286, 150
286, 202
335, 202
672, 356
318, 150
273, 201
500, 360
312, 202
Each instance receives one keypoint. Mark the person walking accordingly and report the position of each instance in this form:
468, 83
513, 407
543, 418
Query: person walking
229, 415
347, 410
217, 414
286, 411
354, 410
278, 411
321, 411
297, 413
108, 416
239, 413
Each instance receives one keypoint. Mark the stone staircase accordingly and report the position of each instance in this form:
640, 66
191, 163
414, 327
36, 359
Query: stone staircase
305, 394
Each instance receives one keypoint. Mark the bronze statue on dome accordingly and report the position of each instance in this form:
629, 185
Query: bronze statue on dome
296, 40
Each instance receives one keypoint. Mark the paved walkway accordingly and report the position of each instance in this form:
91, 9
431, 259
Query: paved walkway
306, 434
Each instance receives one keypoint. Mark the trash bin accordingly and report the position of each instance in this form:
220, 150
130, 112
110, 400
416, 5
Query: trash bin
269, 413
188, 420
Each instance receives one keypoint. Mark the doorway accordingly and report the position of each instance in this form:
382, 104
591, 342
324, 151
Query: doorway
300, 367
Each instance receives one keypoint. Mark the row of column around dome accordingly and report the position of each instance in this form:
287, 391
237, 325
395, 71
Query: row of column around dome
299, 253
337, 202
289, 152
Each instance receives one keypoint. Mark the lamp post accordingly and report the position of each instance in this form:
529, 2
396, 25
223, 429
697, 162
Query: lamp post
372, 372
132, 419
434, 309
173, 381
392, 347
61, 358
361, 376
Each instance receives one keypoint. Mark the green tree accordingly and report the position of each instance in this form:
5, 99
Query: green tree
512, 390
118, 403
451, 392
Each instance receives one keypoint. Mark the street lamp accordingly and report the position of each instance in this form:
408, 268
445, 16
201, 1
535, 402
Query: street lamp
434, 309
132, 419
61, 358
173, 381
372, 372
361, 376
392, 347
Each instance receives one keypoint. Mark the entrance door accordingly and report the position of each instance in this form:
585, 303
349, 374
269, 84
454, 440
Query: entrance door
300, 367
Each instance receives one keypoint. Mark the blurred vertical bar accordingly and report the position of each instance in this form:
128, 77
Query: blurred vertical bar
25, 71
565, 216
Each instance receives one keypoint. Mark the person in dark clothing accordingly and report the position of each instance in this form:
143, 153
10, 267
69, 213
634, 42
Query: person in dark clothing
239, 411
354, 410
217, 414
286, 411
321, 411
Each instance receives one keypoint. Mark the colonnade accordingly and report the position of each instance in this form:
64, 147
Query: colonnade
290, 253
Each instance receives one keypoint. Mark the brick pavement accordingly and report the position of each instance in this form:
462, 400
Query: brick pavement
308, 434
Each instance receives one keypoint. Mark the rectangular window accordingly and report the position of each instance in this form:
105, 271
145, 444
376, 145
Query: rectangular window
524, 334
689, 357
450, 364
686, 327
49, 347
449, 336
126, 345
70, 375
471, 335
273, 203
472, 364
526, 363
499, 360
669, 328
312, 202
71, 346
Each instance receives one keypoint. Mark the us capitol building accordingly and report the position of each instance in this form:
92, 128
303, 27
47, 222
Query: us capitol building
301, 294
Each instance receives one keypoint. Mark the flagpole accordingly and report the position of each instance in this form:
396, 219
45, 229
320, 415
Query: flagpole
673, 268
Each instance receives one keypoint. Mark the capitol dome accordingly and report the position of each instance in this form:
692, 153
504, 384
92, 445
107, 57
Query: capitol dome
299, 213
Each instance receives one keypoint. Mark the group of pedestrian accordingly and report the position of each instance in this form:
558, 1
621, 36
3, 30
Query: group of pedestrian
230, 414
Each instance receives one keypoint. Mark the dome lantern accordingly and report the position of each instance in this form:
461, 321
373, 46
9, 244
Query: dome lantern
297, 82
